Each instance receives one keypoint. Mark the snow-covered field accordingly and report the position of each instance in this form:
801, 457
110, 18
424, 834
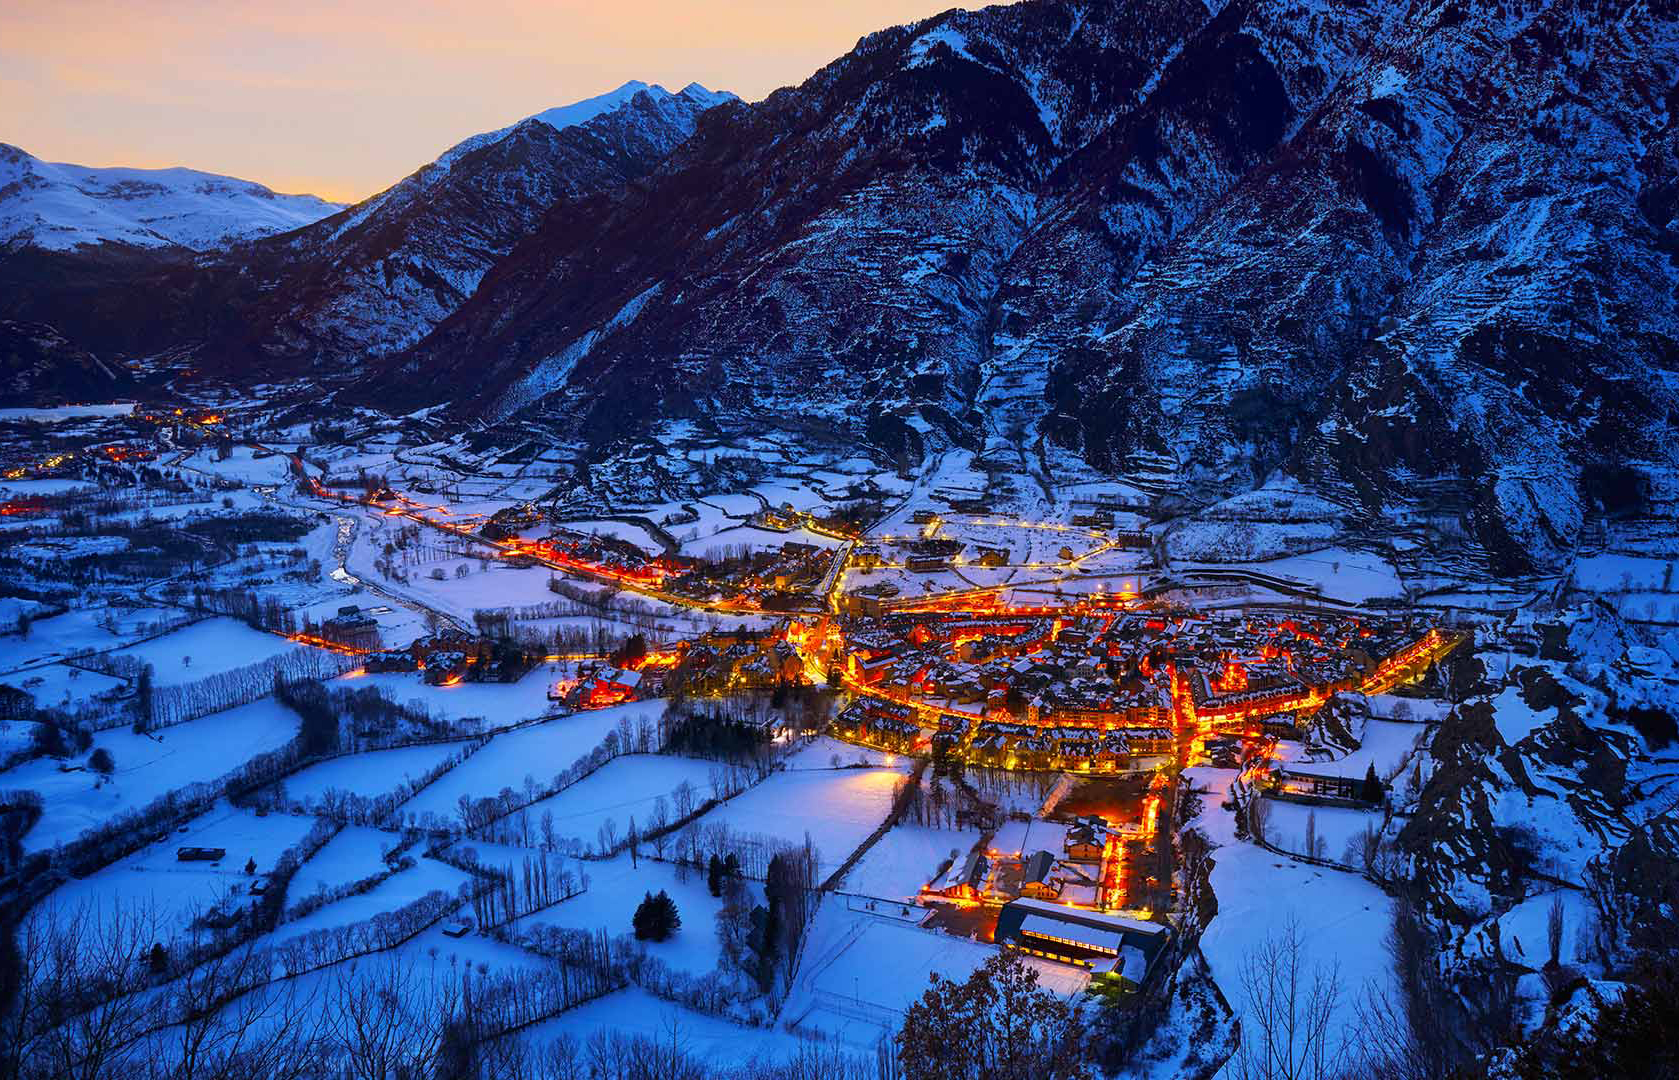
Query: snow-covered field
400, 889
371, 774
616, 886
499, 705
861, 971
539, 752
148, 766
1387, 744
78, 630
206, 648
60, 686
357, 852
906, 858
711, 1039
173, 892
1341, 916
623, 789
838, 809
1336, 827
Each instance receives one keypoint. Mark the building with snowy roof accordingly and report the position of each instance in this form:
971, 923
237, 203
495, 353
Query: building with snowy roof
1109, 945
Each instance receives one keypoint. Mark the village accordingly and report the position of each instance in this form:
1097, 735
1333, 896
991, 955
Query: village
988, 729
1114, 692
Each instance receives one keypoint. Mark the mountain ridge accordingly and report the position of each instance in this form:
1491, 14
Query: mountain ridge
61, 207
365, 280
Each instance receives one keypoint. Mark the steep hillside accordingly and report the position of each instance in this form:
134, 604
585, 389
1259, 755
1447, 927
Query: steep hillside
39, 367
383, 273
1552, 784
1412, 262
63, 207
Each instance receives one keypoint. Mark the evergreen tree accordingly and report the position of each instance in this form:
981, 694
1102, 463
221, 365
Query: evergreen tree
642, 920
666, 919
656, 917
159, 960
1371, 790
143, 700
714, 875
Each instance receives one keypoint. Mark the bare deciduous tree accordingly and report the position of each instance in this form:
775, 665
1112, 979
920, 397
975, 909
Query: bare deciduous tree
389, 1017
1286, 1030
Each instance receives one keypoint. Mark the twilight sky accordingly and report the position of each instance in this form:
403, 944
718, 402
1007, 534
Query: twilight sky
344, 99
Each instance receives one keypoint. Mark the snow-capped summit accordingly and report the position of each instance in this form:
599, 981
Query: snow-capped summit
59, 207
581, 112
694, 98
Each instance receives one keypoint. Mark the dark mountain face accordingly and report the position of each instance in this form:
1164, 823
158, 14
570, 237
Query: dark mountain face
375, 277
847, 234
380, 275
38, 366
1416, 262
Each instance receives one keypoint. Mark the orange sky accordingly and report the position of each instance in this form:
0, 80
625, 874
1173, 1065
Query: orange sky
344, 99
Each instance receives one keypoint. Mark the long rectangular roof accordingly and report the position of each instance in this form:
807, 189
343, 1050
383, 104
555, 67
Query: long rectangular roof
1089, 937
1090, 918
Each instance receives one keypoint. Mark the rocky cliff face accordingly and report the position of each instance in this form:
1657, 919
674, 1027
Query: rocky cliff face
1415, 263
1551, 783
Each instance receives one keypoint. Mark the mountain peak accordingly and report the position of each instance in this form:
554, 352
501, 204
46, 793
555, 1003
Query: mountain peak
581, 112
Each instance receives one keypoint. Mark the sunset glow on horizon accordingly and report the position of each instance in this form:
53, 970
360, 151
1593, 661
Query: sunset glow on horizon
343, 101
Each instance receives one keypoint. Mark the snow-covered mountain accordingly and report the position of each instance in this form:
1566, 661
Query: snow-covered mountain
382, 274
1398, 274
561, 117
61, 207
371, 278
1410, 266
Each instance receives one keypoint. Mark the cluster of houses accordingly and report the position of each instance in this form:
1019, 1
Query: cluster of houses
787, 578
1007, 744
352, 626
1094, 691
449, 657
1241, 668
717, 662
601, 555
599, 685
721, 661
1023, 690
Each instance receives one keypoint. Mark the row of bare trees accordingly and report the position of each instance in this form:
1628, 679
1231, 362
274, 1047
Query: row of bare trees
241, 685
539, 881
87, 1006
